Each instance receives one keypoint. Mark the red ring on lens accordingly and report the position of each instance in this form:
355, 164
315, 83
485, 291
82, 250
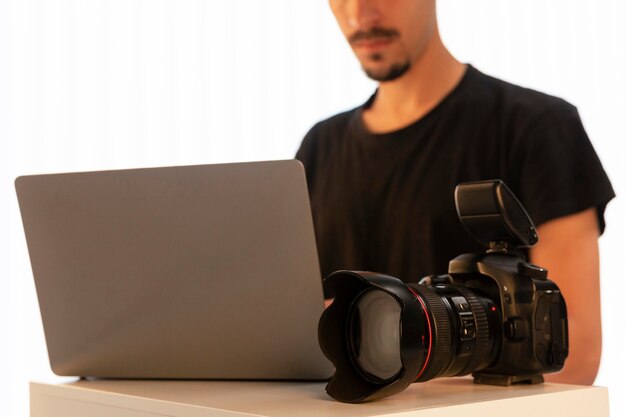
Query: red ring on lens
430, 332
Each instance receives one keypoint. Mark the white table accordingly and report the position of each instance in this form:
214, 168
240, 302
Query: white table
437, 398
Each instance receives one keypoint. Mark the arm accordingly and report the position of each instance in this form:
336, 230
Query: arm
568, 249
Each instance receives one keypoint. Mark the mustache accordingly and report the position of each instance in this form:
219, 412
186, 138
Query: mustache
373, 34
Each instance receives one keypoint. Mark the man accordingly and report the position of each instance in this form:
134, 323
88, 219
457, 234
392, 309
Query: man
381, 176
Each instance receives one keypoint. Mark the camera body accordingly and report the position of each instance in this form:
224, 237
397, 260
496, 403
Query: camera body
533, 337
494, 315
533, 313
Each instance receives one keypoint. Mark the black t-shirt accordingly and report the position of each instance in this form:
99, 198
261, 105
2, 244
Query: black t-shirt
385, 203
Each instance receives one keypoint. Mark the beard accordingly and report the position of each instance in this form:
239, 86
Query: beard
390, 73
394, 71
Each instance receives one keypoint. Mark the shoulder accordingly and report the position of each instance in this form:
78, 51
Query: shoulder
521, 106
333, 126
548, 158
326, 134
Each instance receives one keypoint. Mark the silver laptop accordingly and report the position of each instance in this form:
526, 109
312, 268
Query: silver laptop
181, 272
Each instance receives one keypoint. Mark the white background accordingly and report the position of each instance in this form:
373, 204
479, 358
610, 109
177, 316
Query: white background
100, 84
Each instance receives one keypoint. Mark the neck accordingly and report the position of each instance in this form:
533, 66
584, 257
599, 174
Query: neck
405, 100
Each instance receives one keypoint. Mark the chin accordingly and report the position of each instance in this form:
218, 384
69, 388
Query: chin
382, 73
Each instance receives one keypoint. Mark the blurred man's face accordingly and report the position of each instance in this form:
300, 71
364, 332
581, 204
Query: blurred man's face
387, 36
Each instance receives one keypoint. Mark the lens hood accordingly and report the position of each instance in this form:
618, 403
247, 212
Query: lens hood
349, 383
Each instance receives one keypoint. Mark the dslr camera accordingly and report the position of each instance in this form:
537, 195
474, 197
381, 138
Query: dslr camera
494, 315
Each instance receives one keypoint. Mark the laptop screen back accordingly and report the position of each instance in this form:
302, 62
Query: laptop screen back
180, 272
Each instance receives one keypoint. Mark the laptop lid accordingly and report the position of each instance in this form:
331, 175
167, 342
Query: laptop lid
181, 272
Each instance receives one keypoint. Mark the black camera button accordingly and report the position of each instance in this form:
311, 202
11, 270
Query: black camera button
515, 329
468, 326
468, 333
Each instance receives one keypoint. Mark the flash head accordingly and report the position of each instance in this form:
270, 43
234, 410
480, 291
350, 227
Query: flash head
492, 215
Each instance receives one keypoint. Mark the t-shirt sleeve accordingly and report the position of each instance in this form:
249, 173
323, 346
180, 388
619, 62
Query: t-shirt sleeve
557, 170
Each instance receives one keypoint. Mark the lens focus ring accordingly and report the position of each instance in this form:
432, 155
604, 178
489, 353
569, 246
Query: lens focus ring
441, 351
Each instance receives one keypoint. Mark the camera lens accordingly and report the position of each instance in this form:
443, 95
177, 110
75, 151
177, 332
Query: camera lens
383, 334
375, 335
